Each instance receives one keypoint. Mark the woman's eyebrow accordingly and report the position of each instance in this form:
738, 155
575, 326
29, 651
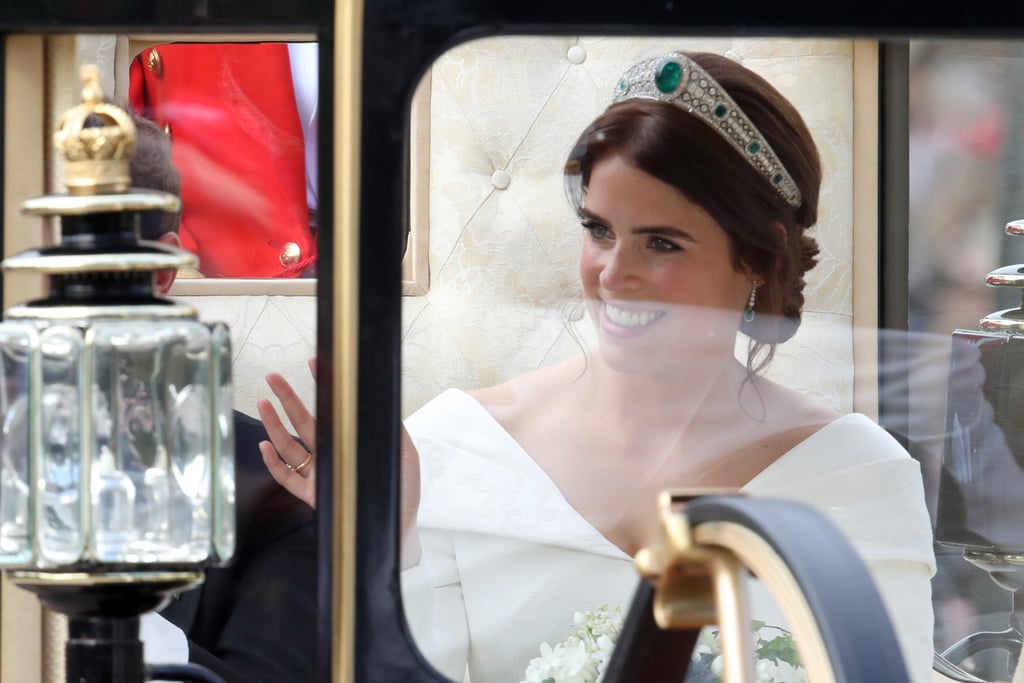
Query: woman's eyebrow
665, 231
662, 230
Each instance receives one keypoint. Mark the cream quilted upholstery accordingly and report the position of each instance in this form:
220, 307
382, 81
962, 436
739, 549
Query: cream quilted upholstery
268, 332
503, 244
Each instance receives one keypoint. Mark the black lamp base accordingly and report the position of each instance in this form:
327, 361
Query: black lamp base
104, 649
103, 619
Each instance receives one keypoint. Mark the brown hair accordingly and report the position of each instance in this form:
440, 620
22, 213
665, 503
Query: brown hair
153, 169
676, 147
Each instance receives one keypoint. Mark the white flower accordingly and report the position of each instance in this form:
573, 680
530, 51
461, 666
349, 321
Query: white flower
717, 665
583, 656
566, 662
769, 671
605, 645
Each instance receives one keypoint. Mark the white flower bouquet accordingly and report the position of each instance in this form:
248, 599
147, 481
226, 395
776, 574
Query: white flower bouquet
583, 656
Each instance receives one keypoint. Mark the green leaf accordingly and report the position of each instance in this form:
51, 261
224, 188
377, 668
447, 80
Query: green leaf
779, 648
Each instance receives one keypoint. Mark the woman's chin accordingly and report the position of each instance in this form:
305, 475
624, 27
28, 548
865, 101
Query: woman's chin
664, 352
621, 355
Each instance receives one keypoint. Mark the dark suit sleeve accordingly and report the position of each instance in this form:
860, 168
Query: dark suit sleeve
255, 620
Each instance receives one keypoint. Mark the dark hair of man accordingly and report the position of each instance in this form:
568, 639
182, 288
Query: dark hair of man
153, 169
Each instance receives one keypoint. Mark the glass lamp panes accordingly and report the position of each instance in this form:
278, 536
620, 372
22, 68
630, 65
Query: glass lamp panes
16, 530
129, 424
224, 435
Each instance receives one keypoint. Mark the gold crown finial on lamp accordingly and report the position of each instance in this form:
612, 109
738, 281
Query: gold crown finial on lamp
97, 140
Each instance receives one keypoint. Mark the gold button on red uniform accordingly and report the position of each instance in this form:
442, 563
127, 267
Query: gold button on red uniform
153, 62
291, 254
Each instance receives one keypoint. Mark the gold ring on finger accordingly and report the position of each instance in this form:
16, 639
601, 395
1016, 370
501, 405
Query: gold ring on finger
309, 458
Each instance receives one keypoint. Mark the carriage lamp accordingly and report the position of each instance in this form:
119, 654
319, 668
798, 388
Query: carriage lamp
981, 488
116, 438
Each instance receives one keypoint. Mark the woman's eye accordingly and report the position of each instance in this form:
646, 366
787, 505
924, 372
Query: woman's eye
662, 244
597, 231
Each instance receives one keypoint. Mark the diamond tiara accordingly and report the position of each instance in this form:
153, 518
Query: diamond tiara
677, 79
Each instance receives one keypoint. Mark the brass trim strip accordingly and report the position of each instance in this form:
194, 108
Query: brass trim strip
348, 67
864, 227
89, 263
43, 578
757, 555
74, 205
83, 313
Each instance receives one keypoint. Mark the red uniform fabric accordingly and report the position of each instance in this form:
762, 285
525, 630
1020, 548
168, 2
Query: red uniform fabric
237, 142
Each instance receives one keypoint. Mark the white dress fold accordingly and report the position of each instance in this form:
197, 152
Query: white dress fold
506, 561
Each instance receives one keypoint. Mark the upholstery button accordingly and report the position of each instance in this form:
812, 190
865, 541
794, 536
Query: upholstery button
154, 63
500, 179
290, 254
576, 54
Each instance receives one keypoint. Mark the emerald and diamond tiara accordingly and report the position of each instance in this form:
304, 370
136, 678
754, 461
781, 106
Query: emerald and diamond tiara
677, 79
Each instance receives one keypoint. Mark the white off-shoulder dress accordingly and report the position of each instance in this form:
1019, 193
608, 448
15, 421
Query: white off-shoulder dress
506, 561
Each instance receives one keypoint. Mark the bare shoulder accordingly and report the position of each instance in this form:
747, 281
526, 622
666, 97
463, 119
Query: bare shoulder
794, 413
524, 392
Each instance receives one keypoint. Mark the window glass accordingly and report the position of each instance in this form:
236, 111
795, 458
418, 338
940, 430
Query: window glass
537, 482
965, 110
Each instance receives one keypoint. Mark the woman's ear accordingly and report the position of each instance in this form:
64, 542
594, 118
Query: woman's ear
751, 274
780, 232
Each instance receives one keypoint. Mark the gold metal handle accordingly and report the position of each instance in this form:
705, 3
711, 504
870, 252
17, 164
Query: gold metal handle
699, 572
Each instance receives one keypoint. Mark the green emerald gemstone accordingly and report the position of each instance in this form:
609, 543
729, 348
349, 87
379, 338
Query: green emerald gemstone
668, 76
777, 178
623, 85
721, 110
754, 147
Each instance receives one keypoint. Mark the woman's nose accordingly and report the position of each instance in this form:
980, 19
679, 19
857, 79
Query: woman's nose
620, 270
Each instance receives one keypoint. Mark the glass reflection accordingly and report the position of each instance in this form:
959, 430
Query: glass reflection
964, 169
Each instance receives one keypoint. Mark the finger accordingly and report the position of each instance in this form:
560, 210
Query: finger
302, 488
300, 417
289, 449
278, 470
312, 367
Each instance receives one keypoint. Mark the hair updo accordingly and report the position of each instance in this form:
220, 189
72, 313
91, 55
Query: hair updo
765, 233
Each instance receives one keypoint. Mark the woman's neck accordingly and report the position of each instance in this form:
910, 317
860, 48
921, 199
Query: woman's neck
700, 394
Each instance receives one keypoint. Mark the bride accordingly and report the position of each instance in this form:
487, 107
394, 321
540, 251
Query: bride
524, 503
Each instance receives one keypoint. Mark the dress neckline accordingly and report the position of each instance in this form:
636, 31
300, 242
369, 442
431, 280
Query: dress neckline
529, 467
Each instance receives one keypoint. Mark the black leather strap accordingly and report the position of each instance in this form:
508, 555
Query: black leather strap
859, 638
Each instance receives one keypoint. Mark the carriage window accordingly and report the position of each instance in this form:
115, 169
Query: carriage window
556, 375
272, 318
243, 118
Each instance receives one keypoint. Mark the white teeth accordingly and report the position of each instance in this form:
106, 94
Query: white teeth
625, 318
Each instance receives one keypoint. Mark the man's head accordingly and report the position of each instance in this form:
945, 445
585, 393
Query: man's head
152, 168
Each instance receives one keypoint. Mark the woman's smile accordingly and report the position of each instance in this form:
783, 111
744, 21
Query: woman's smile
619, 319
